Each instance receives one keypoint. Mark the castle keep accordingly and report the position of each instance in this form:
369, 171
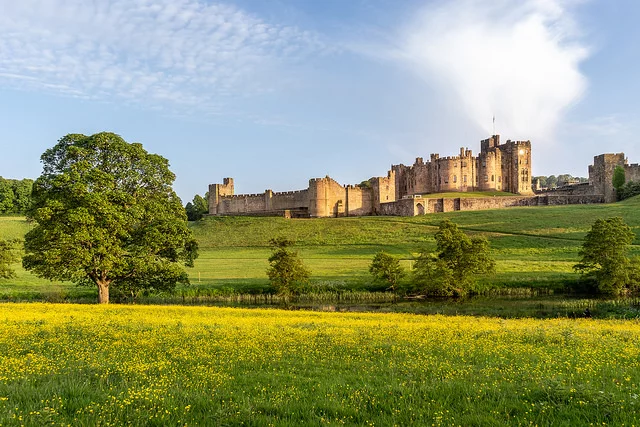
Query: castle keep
505, 167
500, 167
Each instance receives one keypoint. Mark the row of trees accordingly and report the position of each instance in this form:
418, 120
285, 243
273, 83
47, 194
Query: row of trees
553, 181
453, 268
15, 195
450, 270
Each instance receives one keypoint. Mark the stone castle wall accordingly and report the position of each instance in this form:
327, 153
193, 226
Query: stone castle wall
424, 206
632, 172
404, 191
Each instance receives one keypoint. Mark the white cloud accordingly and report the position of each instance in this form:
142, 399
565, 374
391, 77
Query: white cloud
172, 53
515, 59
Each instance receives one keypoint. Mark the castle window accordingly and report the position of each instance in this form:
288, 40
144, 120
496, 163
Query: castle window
455, 164
486, 178
499, 179
455, 178
464, 178
493, 178
484, 163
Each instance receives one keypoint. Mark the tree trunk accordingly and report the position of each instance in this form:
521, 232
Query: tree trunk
103, 292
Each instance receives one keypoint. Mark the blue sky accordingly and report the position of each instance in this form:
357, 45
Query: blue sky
275, 92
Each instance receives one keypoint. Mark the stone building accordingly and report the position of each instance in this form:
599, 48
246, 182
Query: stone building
505, 167
499, 167
601, 174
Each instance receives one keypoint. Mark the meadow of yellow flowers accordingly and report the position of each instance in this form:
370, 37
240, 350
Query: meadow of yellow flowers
165, 365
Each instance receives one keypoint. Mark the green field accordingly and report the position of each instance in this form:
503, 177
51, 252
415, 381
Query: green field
63, 364
535, 248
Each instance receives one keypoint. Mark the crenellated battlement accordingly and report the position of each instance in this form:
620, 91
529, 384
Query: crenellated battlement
501, 167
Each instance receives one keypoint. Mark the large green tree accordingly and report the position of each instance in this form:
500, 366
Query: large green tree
106, 215
286, 270
452, 269
604, 256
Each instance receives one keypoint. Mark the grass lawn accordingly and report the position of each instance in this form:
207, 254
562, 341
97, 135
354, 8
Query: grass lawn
535, 247
156, 365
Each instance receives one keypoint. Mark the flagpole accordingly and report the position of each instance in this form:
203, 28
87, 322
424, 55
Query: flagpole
494, 124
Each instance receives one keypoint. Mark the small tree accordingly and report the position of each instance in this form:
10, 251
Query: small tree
458, 258
197, 208
618, 179
386, 268
286, 270
604, 256
8, 255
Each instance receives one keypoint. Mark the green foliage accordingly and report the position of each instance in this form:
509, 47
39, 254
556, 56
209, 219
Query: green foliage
628, 190
8, 255
452, 269
553, 181
386, 268
197, 208
604, 256
535, 249
618, 178
15, 195
106, 215
286, 270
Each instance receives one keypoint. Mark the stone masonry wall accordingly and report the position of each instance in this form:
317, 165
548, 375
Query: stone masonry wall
632, 172
418, 206
327, 198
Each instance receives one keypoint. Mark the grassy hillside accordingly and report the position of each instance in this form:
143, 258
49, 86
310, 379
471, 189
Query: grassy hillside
534, 247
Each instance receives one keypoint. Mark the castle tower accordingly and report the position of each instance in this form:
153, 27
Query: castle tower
601, 174
218, 190
516, 167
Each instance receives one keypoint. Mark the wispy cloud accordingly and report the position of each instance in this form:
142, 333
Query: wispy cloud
517, 60
172, 54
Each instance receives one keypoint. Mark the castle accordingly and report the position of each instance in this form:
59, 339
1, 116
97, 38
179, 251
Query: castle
409, 190
499, 167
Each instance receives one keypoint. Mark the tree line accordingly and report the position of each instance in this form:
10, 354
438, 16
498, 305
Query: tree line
15, 195
553, 181
459, 260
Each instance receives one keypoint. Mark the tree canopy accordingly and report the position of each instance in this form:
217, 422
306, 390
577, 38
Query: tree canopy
386, 268
604, 256
452, 268
8, 256
15, 195
107, 215
286, 270
618, 178
197, 208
